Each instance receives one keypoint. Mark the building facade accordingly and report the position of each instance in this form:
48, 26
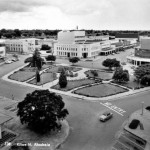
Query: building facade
75, 44
142, 53
22, 45
2, 52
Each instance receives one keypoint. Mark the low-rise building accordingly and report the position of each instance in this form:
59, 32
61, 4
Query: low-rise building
135, 133
22, 45
127, 36
142, 53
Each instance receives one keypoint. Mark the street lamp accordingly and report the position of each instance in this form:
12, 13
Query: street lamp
139, 83
142, 107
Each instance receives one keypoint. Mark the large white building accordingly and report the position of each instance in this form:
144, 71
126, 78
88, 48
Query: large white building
22, 45
75, 44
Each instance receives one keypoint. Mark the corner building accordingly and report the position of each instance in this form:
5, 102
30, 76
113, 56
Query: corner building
75, 44
142, 53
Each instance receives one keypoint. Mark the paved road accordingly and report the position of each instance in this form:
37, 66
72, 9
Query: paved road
87, 133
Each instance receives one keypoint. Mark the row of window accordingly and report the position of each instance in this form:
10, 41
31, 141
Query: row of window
66, 48
66, 54
16, 49
15, 45
84, 49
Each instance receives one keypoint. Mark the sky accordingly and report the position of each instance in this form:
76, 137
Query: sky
68, 14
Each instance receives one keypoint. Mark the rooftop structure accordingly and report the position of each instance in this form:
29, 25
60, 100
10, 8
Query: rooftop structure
142, 53
76, 44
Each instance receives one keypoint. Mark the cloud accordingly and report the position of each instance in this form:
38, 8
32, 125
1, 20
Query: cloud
96, 14
80, 7
19, 5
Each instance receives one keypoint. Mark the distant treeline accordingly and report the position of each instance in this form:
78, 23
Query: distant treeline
16, 33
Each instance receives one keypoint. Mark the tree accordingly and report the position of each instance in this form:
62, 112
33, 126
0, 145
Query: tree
17, 32
51, 58
94, 73
45, 47
74, 60
62, 79
121, 75
38, 78
42, 111
141, 71
111, 63
145, 80
35, 60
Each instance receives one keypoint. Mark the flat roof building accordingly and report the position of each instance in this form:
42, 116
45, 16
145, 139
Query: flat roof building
141, 54
22, 45
135, 133
75, 44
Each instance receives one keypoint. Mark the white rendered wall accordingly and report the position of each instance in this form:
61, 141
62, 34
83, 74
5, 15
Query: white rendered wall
145, 43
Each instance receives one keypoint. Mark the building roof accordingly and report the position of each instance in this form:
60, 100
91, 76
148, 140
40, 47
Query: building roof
144, 120
117, 44
127, 35
4, 118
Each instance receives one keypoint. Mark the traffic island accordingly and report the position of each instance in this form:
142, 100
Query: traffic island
34, 141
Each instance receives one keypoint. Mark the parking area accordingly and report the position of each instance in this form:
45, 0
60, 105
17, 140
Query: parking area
96, 63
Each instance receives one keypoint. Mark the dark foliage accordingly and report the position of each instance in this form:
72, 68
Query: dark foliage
121, 75
145, 80
45, 47
38, 78
94, 72
141, 71
41, 111
63, 79
111, 63
74, 60
51, 58
35, 60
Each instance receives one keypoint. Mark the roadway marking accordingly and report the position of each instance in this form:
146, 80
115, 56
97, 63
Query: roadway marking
114, 108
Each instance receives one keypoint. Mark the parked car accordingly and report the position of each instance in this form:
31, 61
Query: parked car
15, 59
8, 62
106, 116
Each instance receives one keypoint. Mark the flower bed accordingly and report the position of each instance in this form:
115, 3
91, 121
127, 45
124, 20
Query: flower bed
101, 74
45, 78
74, 84
100, 90
57, 69
21, 76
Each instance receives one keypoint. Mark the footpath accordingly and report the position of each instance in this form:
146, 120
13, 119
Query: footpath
81, 75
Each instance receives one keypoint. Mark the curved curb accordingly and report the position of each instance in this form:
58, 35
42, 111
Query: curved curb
107, 98
67, 131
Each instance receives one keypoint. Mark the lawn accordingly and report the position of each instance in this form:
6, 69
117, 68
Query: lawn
57, 69
100, 90
101, 74
45, 78
131, 84
22, 76
74, 84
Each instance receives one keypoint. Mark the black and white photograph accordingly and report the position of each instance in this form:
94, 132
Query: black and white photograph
74, 75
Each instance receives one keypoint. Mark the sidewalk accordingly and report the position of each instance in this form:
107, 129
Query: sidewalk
68, 93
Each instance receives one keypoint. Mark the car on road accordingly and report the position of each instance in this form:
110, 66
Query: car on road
105, 116
15, 59
8, 62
